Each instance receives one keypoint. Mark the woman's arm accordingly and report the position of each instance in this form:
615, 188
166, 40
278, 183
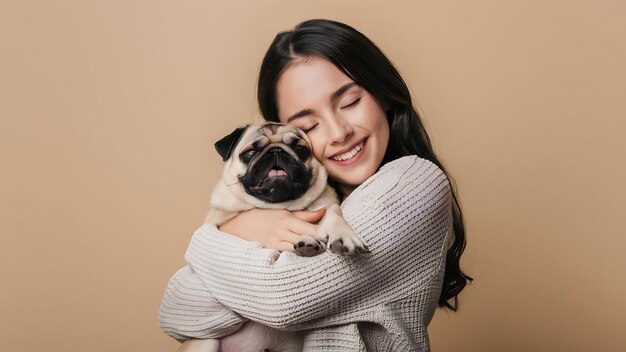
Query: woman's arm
403, 214
189, 310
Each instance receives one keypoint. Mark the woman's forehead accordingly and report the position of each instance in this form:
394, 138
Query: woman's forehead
314, 73
307, 83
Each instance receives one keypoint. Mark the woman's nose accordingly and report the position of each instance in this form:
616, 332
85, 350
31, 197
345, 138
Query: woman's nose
339, 130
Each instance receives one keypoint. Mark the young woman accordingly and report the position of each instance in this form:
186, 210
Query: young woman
335, 84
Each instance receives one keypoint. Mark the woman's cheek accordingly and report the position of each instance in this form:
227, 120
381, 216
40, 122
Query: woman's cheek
319, 157
317, 146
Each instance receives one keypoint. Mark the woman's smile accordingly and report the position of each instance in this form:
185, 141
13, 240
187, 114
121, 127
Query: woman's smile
351, 156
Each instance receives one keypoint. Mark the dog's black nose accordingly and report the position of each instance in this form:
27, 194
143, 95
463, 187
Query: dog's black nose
275, 150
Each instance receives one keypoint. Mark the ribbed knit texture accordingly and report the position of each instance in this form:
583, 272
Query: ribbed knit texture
382, 301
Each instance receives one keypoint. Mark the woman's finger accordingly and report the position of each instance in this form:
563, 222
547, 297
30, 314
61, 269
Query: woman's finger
301, 227
285, 246
310, 216
290, 236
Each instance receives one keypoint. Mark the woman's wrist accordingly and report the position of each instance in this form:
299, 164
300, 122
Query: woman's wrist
234, 227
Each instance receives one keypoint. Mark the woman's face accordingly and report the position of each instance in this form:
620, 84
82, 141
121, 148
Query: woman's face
347, 126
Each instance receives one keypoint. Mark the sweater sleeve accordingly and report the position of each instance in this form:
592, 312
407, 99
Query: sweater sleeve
189, 310
403, 213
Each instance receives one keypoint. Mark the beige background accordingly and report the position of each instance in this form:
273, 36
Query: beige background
109, 110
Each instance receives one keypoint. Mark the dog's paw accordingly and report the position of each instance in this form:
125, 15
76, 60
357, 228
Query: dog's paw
347, 244
308, 246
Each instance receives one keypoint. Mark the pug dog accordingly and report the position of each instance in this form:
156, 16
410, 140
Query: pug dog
271, 166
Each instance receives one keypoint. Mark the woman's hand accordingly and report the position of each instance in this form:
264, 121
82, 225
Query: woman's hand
276, 229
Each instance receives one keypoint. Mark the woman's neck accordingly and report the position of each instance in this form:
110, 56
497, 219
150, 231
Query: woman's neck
345, 190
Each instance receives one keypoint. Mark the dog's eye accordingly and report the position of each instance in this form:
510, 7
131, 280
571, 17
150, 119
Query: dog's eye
247, 156
302, 152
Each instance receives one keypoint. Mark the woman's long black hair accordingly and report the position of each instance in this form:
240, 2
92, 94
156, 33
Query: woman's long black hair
359, 58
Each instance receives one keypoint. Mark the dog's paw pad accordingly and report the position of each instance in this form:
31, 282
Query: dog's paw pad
308, 247
338, 247
348, 247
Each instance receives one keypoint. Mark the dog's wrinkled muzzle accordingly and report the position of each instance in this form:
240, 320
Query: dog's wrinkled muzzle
277, 177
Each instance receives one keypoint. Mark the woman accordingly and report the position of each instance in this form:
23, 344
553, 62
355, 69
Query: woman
335, 84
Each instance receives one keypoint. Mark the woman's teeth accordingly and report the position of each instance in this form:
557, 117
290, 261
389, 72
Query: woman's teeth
349, 154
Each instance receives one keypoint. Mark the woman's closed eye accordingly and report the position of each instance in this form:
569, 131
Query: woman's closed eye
308, 128
353, 104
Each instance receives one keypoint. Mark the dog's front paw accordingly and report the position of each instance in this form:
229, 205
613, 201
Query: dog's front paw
349, 244
340, 237
308, 246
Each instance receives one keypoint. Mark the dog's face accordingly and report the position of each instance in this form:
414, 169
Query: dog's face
271, 162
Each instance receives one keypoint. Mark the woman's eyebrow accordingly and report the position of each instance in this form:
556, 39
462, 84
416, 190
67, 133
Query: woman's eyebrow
341, 90
333, 97
299, 114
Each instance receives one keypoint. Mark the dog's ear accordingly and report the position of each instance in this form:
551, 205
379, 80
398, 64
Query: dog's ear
226, 145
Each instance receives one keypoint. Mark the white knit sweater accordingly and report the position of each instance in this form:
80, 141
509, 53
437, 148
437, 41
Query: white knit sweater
382, 301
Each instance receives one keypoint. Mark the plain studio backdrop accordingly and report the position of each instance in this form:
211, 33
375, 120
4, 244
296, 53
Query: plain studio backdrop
109, 110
